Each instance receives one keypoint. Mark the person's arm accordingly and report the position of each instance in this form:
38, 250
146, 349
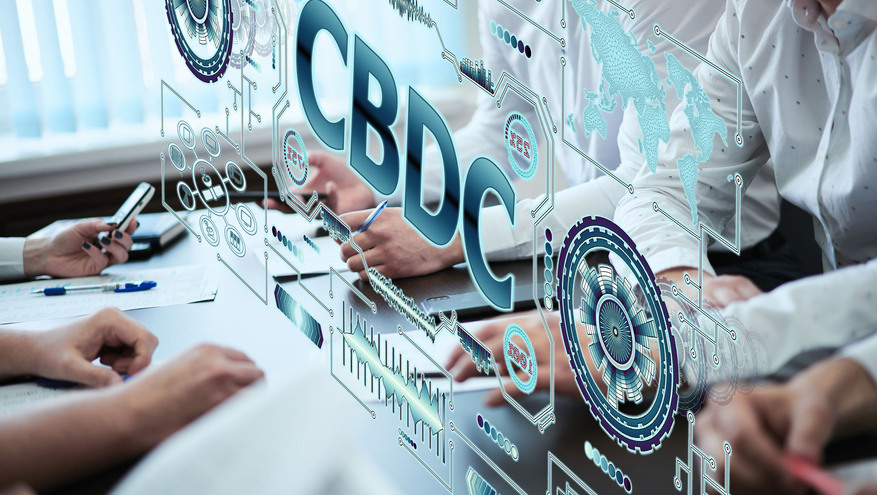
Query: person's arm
660, 240
67, 352
828, 310
501, 241
67, 253
93, 430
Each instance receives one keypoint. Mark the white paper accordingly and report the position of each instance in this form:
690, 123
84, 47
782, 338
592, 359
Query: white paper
176, 285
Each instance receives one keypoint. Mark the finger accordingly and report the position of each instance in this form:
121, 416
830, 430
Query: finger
100, 259
82, 371
356, 264
363, 274
140, 343
244, 373
123, 239
117, 253
235, 355
808, 433
354, 219
132, 226
455, 356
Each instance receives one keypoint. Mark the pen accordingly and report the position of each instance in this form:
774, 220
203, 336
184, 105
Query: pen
371, 218
118, 287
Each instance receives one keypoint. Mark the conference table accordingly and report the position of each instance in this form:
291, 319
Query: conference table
238, 318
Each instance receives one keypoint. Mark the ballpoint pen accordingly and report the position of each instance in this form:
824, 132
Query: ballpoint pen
371, 218
117, 287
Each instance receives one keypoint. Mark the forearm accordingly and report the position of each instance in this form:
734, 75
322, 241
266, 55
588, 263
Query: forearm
18, 353
68, 440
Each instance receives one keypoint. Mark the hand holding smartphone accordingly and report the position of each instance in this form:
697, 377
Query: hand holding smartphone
129, 209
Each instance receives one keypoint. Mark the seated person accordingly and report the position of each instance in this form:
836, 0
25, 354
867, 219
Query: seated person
393, 247
74, 436
67, 253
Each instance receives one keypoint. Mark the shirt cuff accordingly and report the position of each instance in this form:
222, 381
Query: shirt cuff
497, 236
12, 258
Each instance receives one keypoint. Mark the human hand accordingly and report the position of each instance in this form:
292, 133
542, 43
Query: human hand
165, 398
719, 290
796, 418
725, 289
70, 253
67, 352
394, 248
329, 175
492, 335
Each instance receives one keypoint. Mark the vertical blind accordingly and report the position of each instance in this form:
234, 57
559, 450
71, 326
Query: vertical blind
69, 67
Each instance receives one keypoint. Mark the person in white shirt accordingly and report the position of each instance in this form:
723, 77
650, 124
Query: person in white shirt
67, 253
808, 98
808, 75
396, 250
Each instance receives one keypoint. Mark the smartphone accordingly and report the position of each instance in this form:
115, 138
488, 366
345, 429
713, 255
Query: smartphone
130, 209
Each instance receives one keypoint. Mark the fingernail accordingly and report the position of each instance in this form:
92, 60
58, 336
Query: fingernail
86, 245
118, 234
113, 224
105, 241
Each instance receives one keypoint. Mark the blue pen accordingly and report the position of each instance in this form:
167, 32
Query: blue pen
371, 218
118, 287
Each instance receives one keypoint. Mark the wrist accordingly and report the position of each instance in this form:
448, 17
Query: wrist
35, 253
20, 354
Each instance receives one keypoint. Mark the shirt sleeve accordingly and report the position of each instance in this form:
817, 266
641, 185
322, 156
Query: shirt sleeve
501, 241
11, 258
829, 310
663, 243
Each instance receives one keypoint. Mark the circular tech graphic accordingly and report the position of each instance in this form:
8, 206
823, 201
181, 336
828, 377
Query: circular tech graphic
295, 158
523, 359
521, 145
618, 332
202, 31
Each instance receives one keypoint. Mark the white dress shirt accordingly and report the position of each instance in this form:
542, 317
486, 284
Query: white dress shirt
809, 104
11, 258
799, 110
590, 192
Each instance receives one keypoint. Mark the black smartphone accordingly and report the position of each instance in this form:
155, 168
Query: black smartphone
130, 209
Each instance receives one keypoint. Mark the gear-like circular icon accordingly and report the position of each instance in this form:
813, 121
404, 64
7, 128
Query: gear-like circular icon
618, 332
203, 35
